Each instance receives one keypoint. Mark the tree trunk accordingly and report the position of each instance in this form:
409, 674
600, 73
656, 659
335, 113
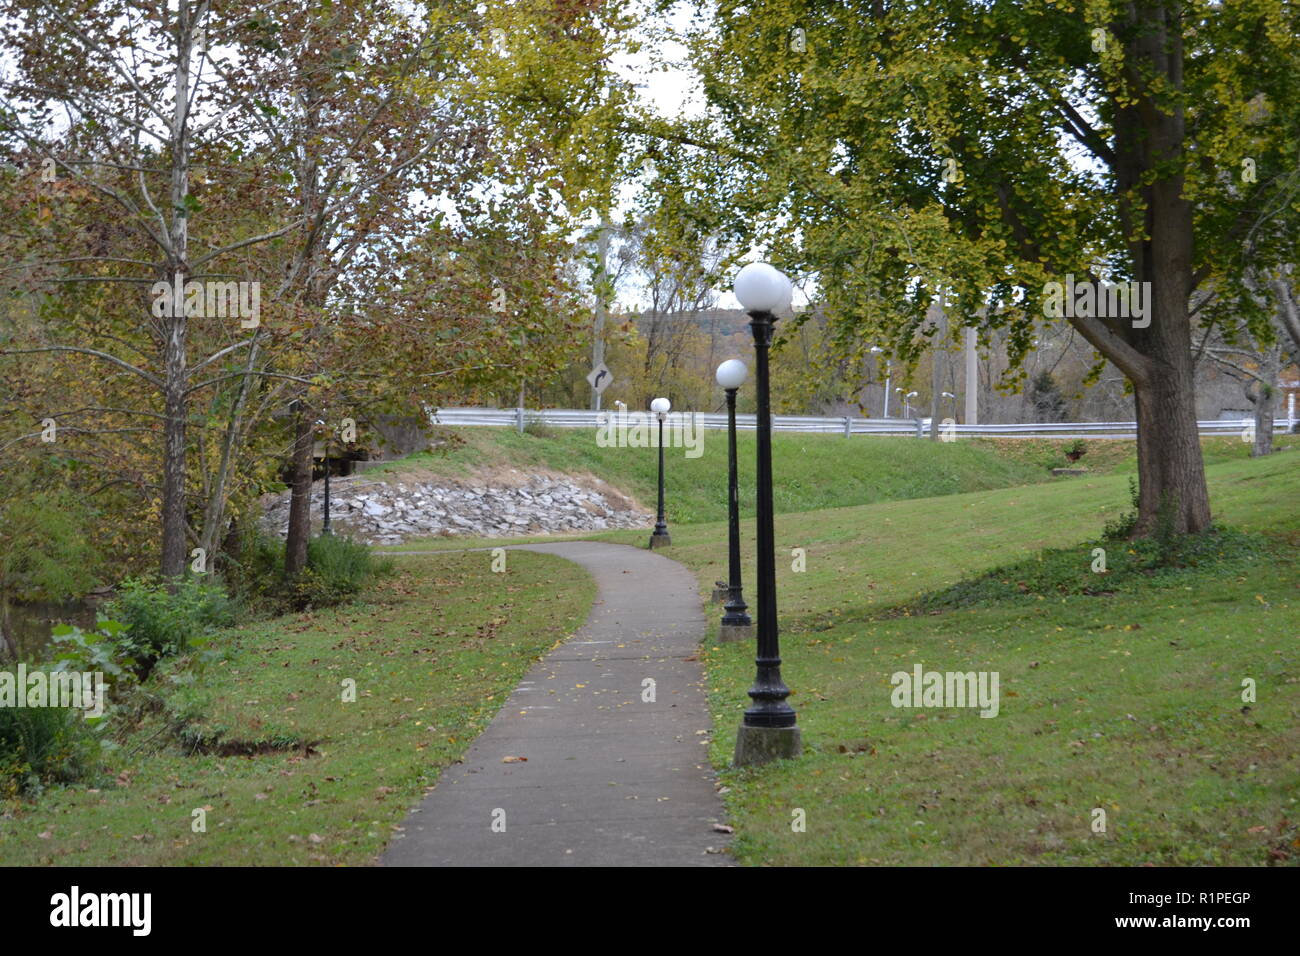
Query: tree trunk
295, 545
1171, 472
1288, 308
1155, 353
1264, 398
175, 372
232, 544
8, 646
173, 485
1263, 424
215, 511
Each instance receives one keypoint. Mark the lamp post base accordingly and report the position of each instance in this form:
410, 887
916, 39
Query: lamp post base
759, 745
735, 632
660, 540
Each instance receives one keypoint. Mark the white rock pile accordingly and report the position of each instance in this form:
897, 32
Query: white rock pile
379, 512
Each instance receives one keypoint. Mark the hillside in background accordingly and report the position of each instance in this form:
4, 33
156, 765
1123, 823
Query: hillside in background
812, 471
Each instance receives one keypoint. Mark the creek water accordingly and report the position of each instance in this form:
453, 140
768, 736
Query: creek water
25, 628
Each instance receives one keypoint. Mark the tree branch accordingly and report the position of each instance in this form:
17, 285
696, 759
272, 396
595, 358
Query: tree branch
151, 379
1135, 365
222, 378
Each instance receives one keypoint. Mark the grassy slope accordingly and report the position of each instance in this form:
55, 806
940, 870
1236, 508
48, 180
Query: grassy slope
433, 651
818, 471
1130, 702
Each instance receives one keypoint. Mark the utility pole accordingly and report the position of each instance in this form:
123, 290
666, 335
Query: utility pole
523, 343
938, 349
972, 377
598, 332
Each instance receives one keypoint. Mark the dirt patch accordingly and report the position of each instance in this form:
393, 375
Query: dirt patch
216, 745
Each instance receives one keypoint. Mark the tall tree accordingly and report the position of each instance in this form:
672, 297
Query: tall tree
336, 157
892, 149
123, 107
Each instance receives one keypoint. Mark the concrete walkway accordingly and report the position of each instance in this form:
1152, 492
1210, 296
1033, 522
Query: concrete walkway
610, 779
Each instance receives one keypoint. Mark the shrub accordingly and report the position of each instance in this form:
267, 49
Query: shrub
255, 573
43, 745
1121, 529
337, 569
93, 650
160, 622
537, 429
341, 562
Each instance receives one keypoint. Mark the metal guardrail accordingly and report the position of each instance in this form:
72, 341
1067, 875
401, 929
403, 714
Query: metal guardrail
519, 418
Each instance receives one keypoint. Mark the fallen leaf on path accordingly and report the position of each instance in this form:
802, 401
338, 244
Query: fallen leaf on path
513, 759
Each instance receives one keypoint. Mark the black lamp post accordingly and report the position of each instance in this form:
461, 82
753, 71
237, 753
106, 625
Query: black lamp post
736, 625
661, 538
325, 516
769, 730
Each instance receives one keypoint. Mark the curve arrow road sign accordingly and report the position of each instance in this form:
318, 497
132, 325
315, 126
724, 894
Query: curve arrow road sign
599, 378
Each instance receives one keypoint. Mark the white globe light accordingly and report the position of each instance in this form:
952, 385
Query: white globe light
660, 406
732, 373
761, 288
787, 302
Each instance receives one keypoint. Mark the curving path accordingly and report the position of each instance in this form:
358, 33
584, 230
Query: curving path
610, 779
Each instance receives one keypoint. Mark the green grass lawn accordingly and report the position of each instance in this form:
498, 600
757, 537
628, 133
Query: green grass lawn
1128, 702
434, 651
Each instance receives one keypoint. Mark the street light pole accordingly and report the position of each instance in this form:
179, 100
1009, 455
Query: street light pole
736, 625
325, 517
769, 730
661, 538
889, 377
